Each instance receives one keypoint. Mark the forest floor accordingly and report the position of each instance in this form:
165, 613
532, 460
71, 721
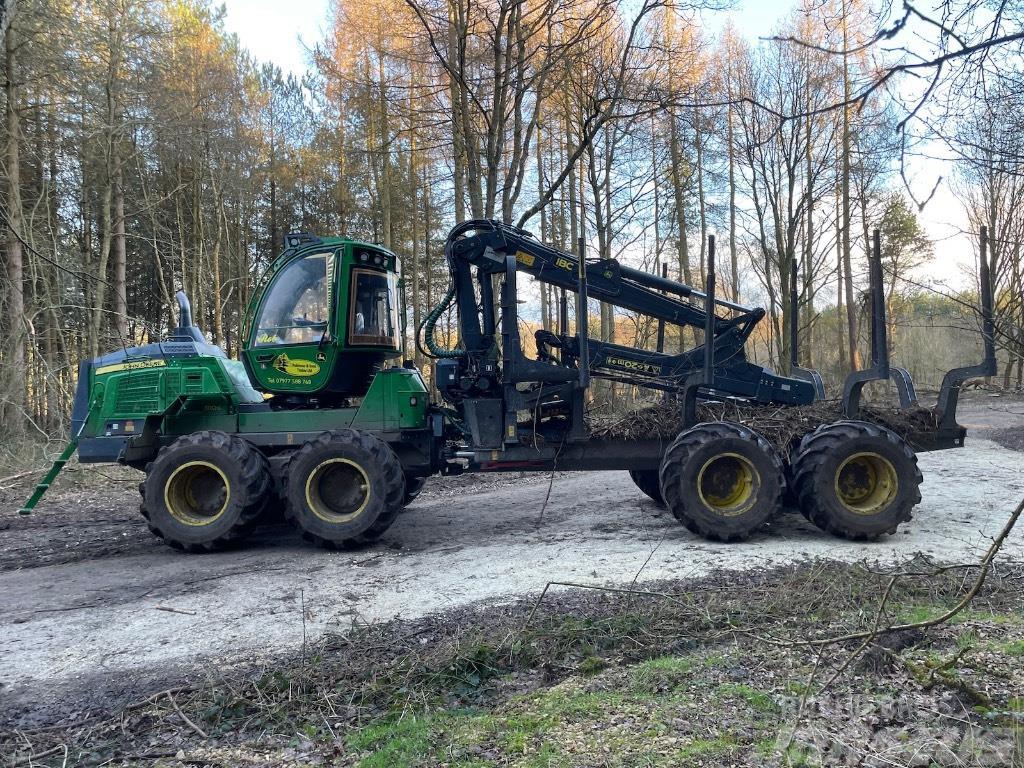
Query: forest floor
98, 620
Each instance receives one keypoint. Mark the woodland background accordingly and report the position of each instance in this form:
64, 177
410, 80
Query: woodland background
146, 151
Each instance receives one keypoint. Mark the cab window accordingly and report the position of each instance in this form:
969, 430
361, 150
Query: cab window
297, 307
373, 317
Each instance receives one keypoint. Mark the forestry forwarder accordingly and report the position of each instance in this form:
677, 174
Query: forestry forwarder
312, 422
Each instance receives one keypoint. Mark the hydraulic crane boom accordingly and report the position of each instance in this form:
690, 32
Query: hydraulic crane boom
607, 279
477, 250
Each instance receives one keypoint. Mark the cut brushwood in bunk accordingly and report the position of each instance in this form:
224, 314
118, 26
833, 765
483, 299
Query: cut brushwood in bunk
783, 426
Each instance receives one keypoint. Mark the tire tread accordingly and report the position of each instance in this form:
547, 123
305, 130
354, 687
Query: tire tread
255, 485
816, 447
691, 440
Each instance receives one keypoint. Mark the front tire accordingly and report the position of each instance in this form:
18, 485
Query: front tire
723, 481
205, 491
856, 480
343, 487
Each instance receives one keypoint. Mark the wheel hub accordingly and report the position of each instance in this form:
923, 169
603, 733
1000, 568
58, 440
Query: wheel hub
866, 483
337, 490
197, 493
728, 483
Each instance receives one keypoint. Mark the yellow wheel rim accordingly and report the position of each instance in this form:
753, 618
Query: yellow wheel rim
866, 483
337, 490
727, 484
197, 493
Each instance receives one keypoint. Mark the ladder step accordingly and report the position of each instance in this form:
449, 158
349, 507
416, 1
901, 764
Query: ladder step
58, 465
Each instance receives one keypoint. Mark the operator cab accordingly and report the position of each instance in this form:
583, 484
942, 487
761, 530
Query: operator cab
326, 318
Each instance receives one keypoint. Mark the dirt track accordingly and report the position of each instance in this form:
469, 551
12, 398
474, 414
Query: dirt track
92, 609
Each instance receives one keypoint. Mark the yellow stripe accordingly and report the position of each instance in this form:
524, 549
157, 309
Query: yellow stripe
133, 366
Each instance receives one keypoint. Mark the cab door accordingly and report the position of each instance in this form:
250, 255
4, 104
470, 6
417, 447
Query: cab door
293, 344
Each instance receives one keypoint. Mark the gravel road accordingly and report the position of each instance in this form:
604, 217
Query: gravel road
91, 606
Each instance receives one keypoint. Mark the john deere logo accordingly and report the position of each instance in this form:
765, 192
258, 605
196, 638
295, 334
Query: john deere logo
304, 368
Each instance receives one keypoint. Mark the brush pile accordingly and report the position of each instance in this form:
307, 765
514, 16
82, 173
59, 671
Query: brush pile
782, 426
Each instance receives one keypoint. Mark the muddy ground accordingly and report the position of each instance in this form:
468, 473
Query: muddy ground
94, 612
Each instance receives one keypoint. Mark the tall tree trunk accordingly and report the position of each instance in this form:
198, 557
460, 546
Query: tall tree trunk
680, 203
608, 308
13, 413
808, 260
100, 294
428, 273
682, 247
55, 346
698, 145
844, 362
458, 137
545, 321
218, 310
341, 191
111, 164
656, 267
120, 258
274, 239
733, 257
574, 225
414, 192
385, 153
851, 308
199, 272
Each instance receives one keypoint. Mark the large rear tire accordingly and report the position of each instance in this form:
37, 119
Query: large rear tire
343, 488
205, 491
647, 481
856, 480
723, 481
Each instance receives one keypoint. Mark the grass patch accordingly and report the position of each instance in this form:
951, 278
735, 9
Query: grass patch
1013, 648
664, 673
758, 700
910, 613
400, 742
591, 665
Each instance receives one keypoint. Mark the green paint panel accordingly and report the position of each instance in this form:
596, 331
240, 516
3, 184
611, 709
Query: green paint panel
397, 399
296, 421
124, 394
205, 393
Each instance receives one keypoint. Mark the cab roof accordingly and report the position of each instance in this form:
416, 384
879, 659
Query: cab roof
301, 242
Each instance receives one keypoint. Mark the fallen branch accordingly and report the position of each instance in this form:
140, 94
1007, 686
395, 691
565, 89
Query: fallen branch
985, 565
157, 696
27, 759
184, 717
173, 610
18, 476
619, 590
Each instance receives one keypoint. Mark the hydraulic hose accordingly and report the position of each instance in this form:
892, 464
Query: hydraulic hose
429, 324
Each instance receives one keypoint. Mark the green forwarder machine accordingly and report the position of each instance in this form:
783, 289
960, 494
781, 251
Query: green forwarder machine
319, 420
